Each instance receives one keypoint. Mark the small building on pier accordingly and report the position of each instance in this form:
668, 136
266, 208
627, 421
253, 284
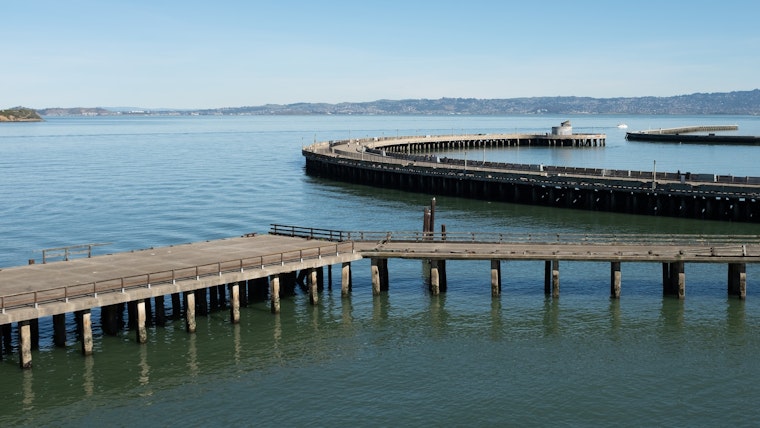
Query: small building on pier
563, 129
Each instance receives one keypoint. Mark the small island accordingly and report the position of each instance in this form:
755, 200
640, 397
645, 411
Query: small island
19, 114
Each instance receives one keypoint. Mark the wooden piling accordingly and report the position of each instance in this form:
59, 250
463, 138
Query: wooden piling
176, 306
375, 272
222, 292
555, 278
313, 287
345, 279
59, 330
142, 330
434, 279
190, 312
25, 344
213, 299
548, 277
737, 280
615, 280
674, 279
109, 319
160, 310
235, 303
7, 333
495, 278
274, 294
86, 331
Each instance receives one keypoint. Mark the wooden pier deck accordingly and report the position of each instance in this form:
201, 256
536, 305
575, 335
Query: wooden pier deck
37, 290
197, 270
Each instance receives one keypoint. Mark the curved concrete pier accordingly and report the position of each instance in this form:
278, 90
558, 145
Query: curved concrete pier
415, 164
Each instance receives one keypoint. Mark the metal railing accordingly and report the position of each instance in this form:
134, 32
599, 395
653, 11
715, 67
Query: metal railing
66, 253
147, 280
513, 237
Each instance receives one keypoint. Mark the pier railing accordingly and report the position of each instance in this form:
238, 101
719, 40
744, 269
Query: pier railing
513, 237
147, 280
66, 253
402, 161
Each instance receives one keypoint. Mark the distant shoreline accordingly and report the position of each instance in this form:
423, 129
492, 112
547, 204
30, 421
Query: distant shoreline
726, 103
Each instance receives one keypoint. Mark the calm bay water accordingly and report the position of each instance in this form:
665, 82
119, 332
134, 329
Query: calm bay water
405, 358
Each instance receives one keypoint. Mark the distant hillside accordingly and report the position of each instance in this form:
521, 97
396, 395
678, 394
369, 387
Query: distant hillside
738, 103
19, 114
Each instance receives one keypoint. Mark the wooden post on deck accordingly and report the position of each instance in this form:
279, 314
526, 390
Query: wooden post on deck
25, 344
190, 311
495, 278
142, 331
615, 278
737, 280
235, 302
345, 279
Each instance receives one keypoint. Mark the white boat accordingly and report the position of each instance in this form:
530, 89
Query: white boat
622, 126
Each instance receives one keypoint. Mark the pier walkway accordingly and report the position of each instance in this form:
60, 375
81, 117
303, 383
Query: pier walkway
194, 273
695, 135
419, 164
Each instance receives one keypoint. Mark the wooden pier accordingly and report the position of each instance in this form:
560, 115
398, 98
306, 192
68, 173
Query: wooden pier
223, 274
694, 135
419, 164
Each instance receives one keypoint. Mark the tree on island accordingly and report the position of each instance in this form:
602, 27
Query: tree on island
19, 114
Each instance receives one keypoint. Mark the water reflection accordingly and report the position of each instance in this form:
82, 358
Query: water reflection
497, 322
88, 376
551, 316
614, 311
192, 355
672, 313
380, 307
27, 390
439, 317
237, 344
144, 378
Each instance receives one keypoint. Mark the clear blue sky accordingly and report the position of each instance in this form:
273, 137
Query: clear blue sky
198, 54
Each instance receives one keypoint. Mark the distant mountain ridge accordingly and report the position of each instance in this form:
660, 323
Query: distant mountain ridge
737, 102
